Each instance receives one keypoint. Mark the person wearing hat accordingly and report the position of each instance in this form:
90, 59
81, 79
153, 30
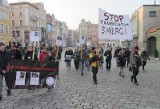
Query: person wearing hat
15, 53
3, 64
94, 60
134, 61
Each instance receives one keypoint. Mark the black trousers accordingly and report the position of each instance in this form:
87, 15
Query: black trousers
10, 79
95, 71
144, 64
108, 64
76, 63
135, 71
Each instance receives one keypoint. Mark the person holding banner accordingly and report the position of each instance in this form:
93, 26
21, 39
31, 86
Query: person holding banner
94, 61
83, 60
68, 57
56, 52
15, 53
3, 64
50, 58
28, 56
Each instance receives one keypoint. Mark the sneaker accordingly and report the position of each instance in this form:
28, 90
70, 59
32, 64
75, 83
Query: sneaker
8, 92
131, 79
137, 84
81, 74
95, 82
0, 98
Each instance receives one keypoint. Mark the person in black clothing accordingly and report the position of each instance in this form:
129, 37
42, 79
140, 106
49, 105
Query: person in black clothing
68, 57
127, 54
28, 57
108, 55
3, 64
77, 58
29, 54
121, 63
9, 78
116, 52
144, 58
15, 53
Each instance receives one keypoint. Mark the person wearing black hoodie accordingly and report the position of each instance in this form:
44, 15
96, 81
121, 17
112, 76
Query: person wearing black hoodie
28, 57
3, 64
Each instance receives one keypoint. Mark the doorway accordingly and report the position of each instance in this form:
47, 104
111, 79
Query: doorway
151, 45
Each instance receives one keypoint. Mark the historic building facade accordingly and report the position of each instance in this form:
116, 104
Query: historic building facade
5, 22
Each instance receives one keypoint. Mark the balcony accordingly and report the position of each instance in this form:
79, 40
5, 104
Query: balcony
34, 18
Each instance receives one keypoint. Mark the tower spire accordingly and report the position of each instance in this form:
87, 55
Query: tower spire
154, 2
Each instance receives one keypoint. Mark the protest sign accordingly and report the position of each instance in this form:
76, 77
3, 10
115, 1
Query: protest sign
113, 26
59, 41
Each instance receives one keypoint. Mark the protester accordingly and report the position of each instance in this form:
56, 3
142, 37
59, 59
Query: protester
94, 60
127, 54
3, 64
144, 58
108, 55
43, 55
77, 58
28, 56
57, 55
121, 63
50, 58
83, 59
116, 54
68, 57
134, 61
88, 51
15, 53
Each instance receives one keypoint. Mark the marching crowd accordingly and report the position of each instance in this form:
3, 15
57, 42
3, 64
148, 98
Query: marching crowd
90, 57
26, 54
93, 58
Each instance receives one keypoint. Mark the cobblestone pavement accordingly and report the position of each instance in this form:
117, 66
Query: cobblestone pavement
74, 91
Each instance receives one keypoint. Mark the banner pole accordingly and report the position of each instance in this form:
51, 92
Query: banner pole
33, 51
57, 52
81, 51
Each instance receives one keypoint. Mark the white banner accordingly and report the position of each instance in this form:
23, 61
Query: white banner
77, 43
20, 78
34, 78
82, 39
34, 36
113, 26
59, 41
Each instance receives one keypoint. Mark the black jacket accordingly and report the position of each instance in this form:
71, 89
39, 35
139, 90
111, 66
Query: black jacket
3, 61
28, 56
16, 54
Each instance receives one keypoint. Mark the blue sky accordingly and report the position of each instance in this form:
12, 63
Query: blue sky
72, 11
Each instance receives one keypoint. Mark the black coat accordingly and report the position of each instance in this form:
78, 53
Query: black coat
15, 54
28, 56
108, 55
121, 60
3, 61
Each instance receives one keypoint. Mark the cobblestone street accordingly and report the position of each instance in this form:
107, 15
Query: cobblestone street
74, 91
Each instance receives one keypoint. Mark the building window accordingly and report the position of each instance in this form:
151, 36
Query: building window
12, 13
1, 14
20, 13
7, 15
152, 13
21, 22
1, 28
6, 29
13, 23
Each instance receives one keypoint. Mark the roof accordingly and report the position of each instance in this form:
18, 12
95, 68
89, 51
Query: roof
22, 3
152, 30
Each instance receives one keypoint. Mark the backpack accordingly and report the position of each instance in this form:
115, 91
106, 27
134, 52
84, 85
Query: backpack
139, 62
92, 58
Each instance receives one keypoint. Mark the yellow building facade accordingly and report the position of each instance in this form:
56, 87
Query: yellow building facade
5, 22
